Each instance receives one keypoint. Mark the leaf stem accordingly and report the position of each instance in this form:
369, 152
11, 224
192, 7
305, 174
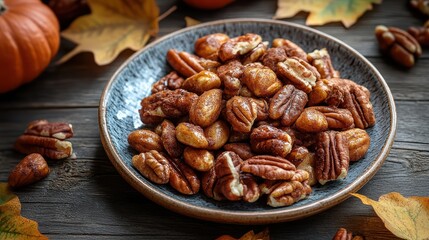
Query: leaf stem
162, 16
2, 7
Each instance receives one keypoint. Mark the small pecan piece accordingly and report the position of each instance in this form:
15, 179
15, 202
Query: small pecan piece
168, 138
269, 167
171, 81
238, 46
199, 159
398, 44
260, 80
183, 178
287, 104
227, 171
255, 54
321, 60
251, 191
208, 46
58, 130
206, 109
311, 121
188, 64
288, 193
145, 140
191, 135
305, 161
166, 104
230, 74
29, 170
153, 166
299, 72
217, 134
332, 157
243, 150
337, 118
201, 82
46, 146
208, 183
358, 141
241, 112
291, 49
270, 140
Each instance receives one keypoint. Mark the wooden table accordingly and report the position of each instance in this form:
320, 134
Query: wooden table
86, 198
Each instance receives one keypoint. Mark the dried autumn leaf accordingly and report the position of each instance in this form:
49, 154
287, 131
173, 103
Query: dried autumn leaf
12, 224
407, 218
191, 22
112, 27
264, 235
324, 11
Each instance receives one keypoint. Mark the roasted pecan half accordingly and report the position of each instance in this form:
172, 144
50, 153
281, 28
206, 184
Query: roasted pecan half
230, 74
288, 193
238, 46
291, 49
58, 130
304, 160
251, 191
201, 82
262, 109
171, 81
358, 141
29, 170
205, 111
187, 64
143, 140
191, 135
46, 146
199, 159
269, 167
421, 34
227, 171
321, 60
311, 121
255, 54
287, 104
166, 104
208, 46
183, 178
168, 138
217, 134
270, 140
337, 118
153, 166
332, 157
343, 234
260, 80
274, 56
298, 72
241, 112
208, 184
243, 150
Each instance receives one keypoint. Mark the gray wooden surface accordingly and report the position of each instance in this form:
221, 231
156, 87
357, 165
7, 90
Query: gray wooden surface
87, 199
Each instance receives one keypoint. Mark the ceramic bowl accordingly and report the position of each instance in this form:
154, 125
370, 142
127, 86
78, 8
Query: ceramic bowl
120, 102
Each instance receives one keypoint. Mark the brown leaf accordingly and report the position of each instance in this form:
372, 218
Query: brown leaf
264, 235
12, 224
191, 22
407, 218
112, 27
324, 11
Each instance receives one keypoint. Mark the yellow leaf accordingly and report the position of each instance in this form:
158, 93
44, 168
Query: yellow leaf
407, 218
191, 22
324, 11
112, 27
12, 224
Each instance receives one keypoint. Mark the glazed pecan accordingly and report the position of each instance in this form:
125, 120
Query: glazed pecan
291, 49
243, 150
319, 93
217, 134
153, 166
304, 160
166, 104
208, 46
262, 109
260, 80
269, 167
187, 64
272, 57
46, 146
420, 5
358, 141
398, 44
241, 112
208, 184
58, 130
201, 82
311, 121
255, 54
236, 136
321, 60
183, 178
287, 104
288, 193
227, 171
343, 234
199, 159
230, 74
143, 140
238, 46
171, 81
299, 72
332, 157
168, 138
29, 170
421, 34
337, 118
251, 191
205, 111
191, 135
356, 100
270, 140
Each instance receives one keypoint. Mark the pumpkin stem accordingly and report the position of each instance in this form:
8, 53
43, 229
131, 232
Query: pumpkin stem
2, 7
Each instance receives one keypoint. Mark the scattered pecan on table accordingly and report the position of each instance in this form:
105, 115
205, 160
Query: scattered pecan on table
244, 121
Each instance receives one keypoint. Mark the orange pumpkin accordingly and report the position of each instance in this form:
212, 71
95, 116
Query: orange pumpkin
208, 4
29, 39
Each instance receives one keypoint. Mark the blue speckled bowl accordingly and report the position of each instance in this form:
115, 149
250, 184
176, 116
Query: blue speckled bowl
120, 101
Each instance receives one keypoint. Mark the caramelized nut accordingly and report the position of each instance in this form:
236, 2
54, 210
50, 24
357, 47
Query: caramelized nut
287, 104
201, 82
209, 45
191, 135
311, 121
238, 46
291, 49
241, 113
217, 134
29, 170
43, 128
144, 141
260, 80
153, 166
168, 138
46, 146
206, 109
270, 140
358, 141
243, 150
183, 178
199, 159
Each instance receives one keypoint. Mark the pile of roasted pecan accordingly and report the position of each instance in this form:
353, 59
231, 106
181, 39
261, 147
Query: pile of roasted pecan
240, 119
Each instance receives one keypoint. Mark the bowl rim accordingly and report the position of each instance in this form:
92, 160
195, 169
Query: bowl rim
244, 217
